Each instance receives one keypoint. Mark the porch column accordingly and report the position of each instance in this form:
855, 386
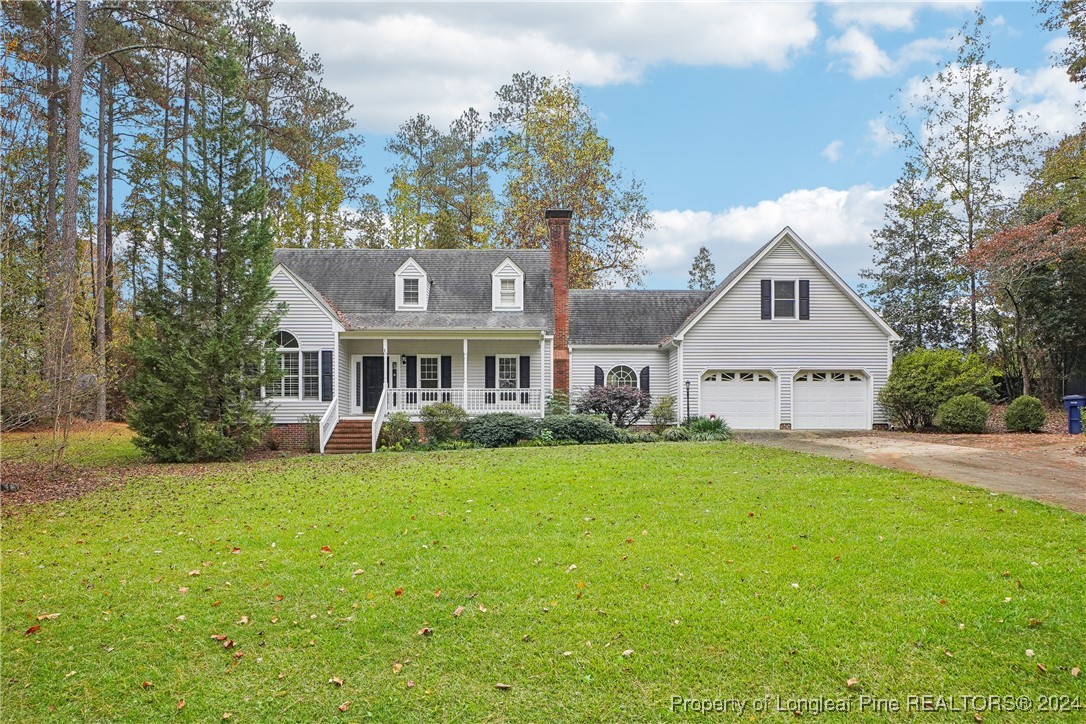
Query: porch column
384, 369
465, 373
542, 372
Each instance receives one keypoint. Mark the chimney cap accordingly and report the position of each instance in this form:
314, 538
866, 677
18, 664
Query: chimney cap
558, 214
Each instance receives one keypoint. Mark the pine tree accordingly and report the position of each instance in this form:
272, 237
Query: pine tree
917, 286
199, 345
703, 271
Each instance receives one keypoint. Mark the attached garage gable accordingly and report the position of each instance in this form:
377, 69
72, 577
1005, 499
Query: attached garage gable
831, 400
746, 400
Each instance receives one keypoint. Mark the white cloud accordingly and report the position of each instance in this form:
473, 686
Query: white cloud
879, 135
890, 15
395, 60
833, 150
862, 55
837, 223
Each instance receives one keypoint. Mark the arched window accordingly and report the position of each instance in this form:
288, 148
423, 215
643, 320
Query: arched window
286, 386
622, 376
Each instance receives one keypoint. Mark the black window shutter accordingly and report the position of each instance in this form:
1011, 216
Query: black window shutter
804, 298
525, 371
446, 370
326, 375
411, 370
599, 377
767, 299
645, 380
490, 372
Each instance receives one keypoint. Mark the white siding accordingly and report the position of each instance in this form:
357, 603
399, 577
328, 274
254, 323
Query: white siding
583, 363
732, 334
315, 331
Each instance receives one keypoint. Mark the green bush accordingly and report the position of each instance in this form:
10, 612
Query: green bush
580, 428
676, 434
557, 403
1025, 414
645, 436
963, 413
442, 421
312, 428
714, 425
500, 429
662, 413
922, 380
399, 432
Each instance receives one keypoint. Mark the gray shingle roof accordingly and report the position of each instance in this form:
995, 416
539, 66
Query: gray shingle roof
605, 316
360, 285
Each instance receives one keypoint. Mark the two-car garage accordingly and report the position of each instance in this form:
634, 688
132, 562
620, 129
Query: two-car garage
821, 399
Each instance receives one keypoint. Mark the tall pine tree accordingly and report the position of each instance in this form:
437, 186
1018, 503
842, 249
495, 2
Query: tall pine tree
199, 345
703, 271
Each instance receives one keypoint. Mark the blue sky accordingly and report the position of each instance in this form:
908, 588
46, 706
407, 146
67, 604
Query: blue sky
740, 117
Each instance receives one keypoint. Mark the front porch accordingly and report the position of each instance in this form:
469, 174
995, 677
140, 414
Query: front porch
379, 376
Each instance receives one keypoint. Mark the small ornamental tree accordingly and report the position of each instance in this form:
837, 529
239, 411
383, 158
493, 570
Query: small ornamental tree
199, 339
621, 405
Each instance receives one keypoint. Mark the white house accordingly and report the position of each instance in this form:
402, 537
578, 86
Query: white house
783, 342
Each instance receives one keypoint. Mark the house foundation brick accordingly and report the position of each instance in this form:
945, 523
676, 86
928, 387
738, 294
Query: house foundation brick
287, 436
786, 426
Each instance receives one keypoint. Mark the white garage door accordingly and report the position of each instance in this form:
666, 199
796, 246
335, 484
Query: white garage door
831, 400
745, 400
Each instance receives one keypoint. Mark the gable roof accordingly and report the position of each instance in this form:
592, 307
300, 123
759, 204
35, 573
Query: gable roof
316, 297
786, 235
606, 316
361, 285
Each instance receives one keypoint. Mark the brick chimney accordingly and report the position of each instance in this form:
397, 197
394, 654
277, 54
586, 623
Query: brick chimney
558, 227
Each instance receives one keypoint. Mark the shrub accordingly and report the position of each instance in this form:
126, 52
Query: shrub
963, 413
922, 380
399, 432
557, 403
442, 421
579, 428
706, 424
312, 428
676, 434
662, 413
500, 429
1025, 414
622, 406
645, 436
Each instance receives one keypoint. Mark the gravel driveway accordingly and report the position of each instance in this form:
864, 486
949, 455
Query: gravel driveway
1046, 467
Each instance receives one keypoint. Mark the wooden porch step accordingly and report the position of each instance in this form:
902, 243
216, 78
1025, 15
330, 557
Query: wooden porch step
351, 436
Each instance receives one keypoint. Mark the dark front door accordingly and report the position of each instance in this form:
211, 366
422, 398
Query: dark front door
373, 381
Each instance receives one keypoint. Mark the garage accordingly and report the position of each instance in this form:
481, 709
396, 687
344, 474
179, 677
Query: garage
830, 400
745, 400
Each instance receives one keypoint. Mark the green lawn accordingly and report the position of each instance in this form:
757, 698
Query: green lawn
89, 443
722, 570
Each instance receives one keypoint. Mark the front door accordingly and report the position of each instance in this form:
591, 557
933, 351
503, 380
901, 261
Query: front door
373, 381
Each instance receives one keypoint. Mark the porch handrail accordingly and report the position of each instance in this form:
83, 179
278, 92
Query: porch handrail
328, 421
378, 419
476, 401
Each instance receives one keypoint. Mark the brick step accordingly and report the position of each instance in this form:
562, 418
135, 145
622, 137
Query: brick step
351, 436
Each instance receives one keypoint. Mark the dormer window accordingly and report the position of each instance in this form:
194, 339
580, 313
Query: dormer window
412, 287
507, 287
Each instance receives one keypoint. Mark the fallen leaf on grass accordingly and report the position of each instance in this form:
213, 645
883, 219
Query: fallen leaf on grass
235, 550
146, 684
195, 572
1042, 668
219, 637
437, 593
344, 706
628, 652
358, 572
503, 687
336, 680
228, 644
226, 715
852, 682
459, 610
180, 703
398, 592
216, 603
1075, 672
243, 620
32, 630
1029, 652
410, 684
397, 667
45, 616
482, 608
325, 549
425, 631
278, 597
572, 568
182, 589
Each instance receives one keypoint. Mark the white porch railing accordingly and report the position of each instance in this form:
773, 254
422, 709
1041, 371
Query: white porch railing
329, 420
523, 400
379, 415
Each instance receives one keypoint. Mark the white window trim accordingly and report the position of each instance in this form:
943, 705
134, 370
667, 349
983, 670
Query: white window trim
773, 300
418, 370
498, 367
300, 351
636, 376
